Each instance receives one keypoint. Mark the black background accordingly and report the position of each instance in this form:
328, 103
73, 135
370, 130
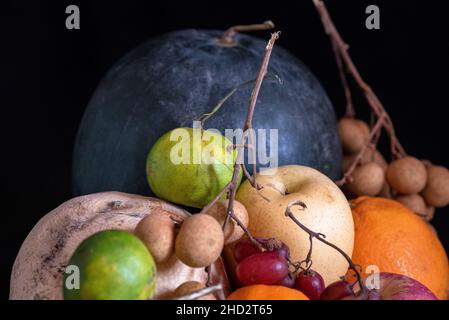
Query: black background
48, 74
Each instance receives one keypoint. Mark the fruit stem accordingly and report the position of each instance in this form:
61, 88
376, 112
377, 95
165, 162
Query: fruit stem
228, 36
341, 52
350, 112
205, 116
231, 187
202, 292
248, 126
320, 237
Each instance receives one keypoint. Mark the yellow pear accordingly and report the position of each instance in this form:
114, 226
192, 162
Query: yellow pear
328, 212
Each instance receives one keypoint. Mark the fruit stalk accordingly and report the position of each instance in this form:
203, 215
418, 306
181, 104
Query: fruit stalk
228, 36
341, 53
247, 127
231, 187
350, 112
320, 237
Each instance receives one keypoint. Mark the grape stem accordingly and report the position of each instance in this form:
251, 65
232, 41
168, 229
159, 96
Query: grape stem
342, 56
320, 237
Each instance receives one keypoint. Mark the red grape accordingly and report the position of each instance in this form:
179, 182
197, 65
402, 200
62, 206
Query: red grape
283, 251
245, 248
310, 283
262, 268
337, 291
288, 281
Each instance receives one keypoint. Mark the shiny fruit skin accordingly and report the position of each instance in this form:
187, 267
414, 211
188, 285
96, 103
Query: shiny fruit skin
113, 265
262, 268
199, 241
157, 232
266, 292
331, 217
245, 248
337, 291
180, 171
397, 240
310, 283
288, 281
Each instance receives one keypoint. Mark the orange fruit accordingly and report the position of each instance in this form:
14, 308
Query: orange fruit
264, 292
393, 238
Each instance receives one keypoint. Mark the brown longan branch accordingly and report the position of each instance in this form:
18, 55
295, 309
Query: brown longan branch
320, 237
342, 48
350, 112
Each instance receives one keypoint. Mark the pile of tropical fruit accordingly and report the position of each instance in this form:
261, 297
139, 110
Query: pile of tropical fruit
289, 232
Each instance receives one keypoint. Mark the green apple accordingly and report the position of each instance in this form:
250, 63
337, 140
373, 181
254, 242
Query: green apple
190, 166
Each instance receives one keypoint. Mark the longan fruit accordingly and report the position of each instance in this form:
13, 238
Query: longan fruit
414, 202
407, 175
200, 241
354, 134
157, 231
430, 212
369, 155
436, 191
232, 231
189, 287
385, 192
367, 180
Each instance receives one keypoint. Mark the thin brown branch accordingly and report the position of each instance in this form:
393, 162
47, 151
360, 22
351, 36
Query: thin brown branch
320, 237
217, 198
231, 187
371, 97
248, 124
350, 112
228, 37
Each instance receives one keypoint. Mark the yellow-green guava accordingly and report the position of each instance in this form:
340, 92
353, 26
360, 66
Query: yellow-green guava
190, 166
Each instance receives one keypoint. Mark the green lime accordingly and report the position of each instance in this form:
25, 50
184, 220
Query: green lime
113, 265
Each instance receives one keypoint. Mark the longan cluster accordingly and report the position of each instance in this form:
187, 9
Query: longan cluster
419, 185
197, 241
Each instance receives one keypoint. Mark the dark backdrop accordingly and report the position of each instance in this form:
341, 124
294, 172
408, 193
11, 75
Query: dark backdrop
48, 74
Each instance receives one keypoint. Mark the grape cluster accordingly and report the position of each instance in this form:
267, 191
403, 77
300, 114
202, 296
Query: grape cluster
267, 261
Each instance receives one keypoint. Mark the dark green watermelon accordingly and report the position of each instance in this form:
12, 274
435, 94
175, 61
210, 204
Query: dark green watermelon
171, 80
